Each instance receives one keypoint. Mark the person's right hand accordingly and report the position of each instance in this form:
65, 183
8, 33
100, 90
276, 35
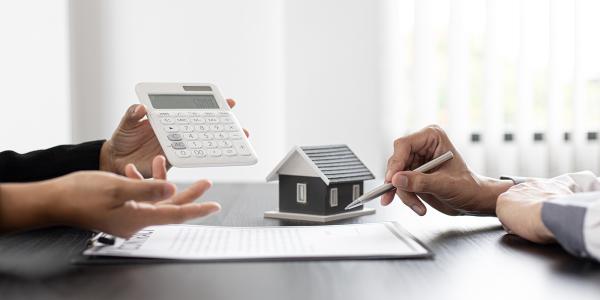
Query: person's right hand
451, 188
122, 206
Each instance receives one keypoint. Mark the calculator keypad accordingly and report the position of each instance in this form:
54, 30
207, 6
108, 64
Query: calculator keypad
171, 128
203, 135
174, 137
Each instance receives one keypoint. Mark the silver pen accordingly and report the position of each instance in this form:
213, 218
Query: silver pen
386, 187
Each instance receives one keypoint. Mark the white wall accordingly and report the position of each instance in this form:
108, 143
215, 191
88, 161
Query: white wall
33, 74
332, 64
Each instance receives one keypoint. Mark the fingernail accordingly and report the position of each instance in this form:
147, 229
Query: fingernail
215, 208
136, 109
132, 109
402, 181
417, 209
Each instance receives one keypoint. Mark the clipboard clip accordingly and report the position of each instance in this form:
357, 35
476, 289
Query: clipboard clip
102, 238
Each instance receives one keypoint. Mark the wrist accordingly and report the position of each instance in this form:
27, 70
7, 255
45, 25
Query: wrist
541, 232
106, 157
25, 205
51, 203
492, 188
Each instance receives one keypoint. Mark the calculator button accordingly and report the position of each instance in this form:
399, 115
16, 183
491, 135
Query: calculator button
197, 120
165, 114
190, 136
229, 152
225, 144
186, 128
167, 121
183, 153
223, 114
202, 128
221, 135
214, 152
241, 148
194, 145
235, 135
208, 114
217, 127
181, 120
178, 145
171, 128
209, 144
182, 114
212, 120
199, 153
206, 136
174, 137
230, 127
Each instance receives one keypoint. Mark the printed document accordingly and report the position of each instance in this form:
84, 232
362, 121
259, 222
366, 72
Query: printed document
199, 242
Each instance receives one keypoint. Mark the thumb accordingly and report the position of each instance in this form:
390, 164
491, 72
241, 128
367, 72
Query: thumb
133, 115
414, 182
144, 190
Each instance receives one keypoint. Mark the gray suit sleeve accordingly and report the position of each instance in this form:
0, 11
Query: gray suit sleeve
575, 222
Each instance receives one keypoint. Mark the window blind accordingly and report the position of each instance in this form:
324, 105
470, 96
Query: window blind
512, 82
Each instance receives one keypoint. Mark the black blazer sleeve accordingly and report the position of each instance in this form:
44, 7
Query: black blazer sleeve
49, 163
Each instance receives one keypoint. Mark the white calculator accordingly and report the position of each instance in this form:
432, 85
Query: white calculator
194, 125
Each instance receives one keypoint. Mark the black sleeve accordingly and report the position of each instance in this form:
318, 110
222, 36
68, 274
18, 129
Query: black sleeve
49, 163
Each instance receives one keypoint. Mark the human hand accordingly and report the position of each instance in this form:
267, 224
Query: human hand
451, 188
122, 206
134, 142
520, 208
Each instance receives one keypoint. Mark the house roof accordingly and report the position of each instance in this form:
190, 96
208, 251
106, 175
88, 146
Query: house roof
332, 163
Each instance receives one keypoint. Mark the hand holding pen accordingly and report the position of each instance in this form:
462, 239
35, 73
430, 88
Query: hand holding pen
387, 187
451, 188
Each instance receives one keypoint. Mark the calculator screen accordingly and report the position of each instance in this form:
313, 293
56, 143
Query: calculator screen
164, 101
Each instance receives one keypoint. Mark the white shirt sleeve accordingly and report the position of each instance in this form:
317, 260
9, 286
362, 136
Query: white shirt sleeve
575, 219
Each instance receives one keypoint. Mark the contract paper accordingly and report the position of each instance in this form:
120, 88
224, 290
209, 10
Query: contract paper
207, 243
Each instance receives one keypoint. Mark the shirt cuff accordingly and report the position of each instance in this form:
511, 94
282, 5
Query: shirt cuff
566, 224
574, 221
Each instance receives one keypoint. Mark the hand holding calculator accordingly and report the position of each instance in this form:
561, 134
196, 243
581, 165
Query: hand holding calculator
194, 125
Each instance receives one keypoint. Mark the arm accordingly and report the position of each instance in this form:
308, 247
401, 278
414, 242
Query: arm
49, 163
24, 205
564, 209
108, 204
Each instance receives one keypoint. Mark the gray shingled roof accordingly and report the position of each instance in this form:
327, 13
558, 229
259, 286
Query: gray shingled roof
338, 163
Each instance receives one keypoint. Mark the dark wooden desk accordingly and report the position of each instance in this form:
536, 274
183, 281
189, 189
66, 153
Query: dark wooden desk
474, 258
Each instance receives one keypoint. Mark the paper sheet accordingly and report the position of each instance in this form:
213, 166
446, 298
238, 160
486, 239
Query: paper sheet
197, 242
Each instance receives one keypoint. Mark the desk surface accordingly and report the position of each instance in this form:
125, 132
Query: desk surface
473, 258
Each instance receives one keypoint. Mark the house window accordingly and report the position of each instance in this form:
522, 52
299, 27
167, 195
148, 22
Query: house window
355, 191
333, 197
301, 193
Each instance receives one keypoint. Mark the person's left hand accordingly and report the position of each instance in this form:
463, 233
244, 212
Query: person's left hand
134, 142
520, 208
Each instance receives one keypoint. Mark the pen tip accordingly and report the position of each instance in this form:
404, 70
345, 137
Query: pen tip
350, 206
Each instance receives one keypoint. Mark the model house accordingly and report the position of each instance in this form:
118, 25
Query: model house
316, 183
